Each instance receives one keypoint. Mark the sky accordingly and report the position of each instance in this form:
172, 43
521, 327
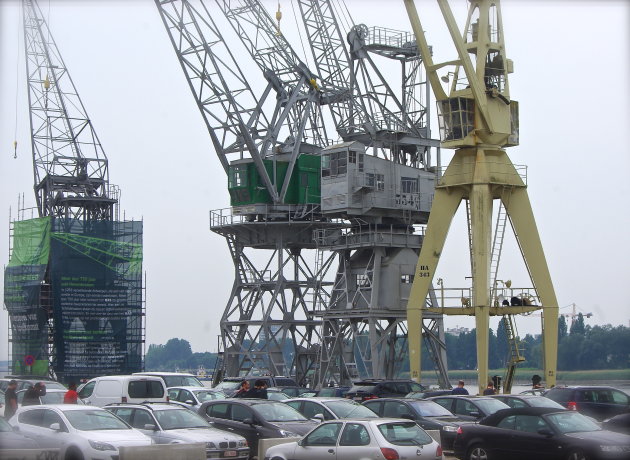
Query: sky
571, 80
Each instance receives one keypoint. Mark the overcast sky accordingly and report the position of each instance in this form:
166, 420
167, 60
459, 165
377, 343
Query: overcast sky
571, 79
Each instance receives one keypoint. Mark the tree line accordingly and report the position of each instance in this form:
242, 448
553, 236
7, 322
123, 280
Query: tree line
580, 347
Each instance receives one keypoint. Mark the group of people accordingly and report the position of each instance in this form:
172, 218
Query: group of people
460, 390
32, 395
259, 391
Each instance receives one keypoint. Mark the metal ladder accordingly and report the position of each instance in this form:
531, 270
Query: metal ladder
514, 353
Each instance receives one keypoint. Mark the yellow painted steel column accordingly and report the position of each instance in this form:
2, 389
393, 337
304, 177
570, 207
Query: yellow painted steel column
521, 215
445, 203
481, 228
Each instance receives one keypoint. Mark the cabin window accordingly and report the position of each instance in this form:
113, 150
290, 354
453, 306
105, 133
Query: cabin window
409, 185
238, 176
325, 165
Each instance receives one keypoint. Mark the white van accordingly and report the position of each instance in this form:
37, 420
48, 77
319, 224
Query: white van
136, 389
175, 379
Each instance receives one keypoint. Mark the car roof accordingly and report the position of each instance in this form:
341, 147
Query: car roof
322, 399
64, 407
244, 401
460, 397
193, 388
148, 405
165, 373
500, 414
48, 390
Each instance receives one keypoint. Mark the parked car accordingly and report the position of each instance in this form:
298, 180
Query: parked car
470, 407
175, 379
296, 392
110, 389
540, 433
369, 389
230, 385
193, 397
534, 391
375, 438
619, 423
276, 394
54, 396
515, 401
9, 439
599, 402
256, 419
427, 394
24, 382
172, 424
333, 392
79, 432
330, 408
428, 414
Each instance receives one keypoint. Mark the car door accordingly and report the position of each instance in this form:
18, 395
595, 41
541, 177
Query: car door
310, 409
466, 410
238, 414
355, 442
526, 443
321, 443
143, 417
30, 423
446, 403
58, 439
86, 392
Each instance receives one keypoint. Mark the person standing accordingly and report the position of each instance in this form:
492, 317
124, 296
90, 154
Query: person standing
10, 400
259, 391
32, 395
489, 389
244, 388
71, 395
459, 389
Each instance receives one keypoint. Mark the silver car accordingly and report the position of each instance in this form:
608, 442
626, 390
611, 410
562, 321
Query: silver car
330, 408
194, 397
357, 439
174, 424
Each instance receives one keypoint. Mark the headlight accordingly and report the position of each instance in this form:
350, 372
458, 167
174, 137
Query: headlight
615, 449
450, 428
210, 445
288, 434
242, 443
98, 445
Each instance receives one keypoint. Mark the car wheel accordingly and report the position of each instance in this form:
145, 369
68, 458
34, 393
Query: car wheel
577, 454
477, 452
74, 454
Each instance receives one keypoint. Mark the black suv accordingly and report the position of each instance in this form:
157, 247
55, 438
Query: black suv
598, 402
230, 385
370, 389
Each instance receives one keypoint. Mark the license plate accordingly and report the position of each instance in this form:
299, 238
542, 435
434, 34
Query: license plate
230, 453
358, 398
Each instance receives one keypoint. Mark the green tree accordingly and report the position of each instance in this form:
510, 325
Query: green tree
577, 326
562, 327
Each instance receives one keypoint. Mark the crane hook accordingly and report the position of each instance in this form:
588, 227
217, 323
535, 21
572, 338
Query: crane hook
14, 149
278, 17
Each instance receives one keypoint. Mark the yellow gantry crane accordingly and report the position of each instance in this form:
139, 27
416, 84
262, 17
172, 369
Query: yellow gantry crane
479, 120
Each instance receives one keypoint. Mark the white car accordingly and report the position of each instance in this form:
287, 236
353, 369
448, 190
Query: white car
193, 397
79, 432
359, 439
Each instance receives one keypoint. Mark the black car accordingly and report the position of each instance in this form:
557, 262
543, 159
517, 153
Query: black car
469, 407
599, 402
428, 394
428, 414
619, 423
370, 389
516, 401
256, 419
540, 433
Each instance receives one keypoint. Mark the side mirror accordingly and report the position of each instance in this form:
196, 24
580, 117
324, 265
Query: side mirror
150, 426
16, 428
545, 432
248, 421
191, 402
302, 442
475, 414
55, 426
407, 416
318, 418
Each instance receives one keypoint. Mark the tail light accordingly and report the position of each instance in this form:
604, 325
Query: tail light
123, 399
438, 452
168, 398
459, 430
366, 398
389, 454
572, 405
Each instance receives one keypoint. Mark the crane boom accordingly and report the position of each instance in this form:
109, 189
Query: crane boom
70, 167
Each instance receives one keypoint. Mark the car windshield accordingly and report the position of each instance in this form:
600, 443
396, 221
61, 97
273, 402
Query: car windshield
228, 385
175, 419
404, 434
52, 398
364, 388
541, 401
92, 420
278, 412
204, 395
430, 409
490, 405
181, 381
348, 408
572, 422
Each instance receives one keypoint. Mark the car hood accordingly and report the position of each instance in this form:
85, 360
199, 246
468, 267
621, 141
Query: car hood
300, 428
603, 436
202, 435
118, 438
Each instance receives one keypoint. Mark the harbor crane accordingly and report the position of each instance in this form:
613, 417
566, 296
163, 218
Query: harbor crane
479, 119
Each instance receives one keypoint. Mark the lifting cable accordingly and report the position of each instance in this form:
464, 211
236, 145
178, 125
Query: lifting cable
297, 25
